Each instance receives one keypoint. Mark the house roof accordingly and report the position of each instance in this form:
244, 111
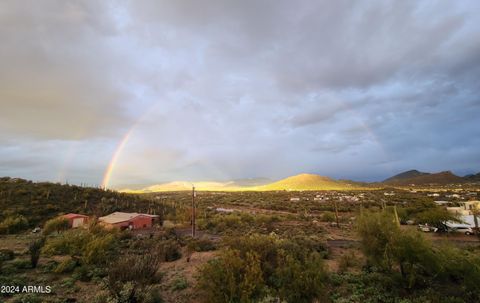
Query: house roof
72, 216
118, 217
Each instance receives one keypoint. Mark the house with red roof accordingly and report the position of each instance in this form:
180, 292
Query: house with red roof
128, 220
76, 220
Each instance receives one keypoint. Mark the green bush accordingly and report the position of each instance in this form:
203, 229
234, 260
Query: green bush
419, 263
179, 283
131, 277
255, 266
27, 298
6, 255
99, 249
70, 242
170, 250
66, 266
56, 225
202, 244
13, 224
347, 260
328, 216
21, 264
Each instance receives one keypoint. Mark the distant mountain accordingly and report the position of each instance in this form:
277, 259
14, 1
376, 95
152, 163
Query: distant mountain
406, 175
184, 186
472, 178
249, 182
298, 182
309, 182
420, 178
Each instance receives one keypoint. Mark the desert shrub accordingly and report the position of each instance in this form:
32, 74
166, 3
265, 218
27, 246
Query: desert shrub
419, 263
328, 216
377, 231
6, 254
230, 278
70, 242
92, 247
255, 266
35, 249
27, 298
49, 266
131, 277
55, 225
202, 244
461, 267
179, 283
347, 261
300, 280
170, 250
21, 264
153, 296
67, 265
98, 250
13, 224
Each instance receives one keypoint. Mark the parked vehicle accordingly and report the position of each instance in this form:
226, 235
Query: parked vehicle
463, 230
427, 228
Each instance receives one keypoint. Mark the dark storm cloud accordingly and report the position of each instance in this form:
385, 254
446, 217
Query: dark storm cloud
59, 75
234, 89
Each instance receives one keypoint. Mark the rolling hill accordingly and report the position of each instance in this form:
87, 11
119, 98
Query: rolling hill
39, 201
472, 178
420, 178
185, 186
298, 182
405, 175
309, 182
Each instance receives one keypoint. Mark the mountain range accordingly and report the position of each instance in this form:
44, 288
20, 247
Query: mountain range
421, 178
312, 182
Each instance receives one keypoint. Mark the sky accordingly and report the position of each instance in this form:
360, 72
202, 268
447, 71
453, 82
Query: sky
148, 92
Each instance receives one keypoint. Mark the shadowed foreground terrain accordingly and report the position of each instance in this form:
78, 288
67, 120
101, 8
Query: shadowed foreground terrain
271, 246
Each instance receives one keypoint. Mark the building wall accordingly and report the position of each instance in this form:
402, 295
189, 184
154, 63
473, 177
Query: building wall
77, 222
136, 223
141, 222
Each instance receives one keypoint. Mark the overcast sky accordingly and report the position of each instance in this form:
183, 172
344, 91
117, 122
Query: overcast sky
218, 90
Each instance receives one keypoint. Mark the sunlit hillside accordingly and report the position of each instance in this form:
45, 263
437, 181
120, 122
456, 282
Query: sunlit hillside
298, 182
309, 182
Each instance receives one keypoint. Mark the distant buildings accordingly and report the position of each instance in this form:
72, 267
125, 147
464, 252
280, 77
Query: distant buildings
295, 199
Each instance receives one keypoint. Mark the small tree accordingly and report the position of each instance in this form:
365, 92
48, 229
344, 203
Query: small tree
55, 225
130, 276
13, 224
437, 217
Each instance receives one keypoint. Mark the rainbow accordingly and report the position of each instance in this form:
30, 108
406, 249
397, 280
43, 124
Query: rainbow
107, 176
108, 172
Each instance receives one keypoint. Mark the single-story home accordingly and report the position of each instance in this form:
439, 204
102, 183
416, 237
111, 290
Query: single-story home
465, 208
128, 220
76, 220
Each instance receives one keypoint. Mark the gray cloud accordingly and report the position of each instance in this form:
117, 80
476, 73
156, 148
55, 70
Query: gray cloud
229, 89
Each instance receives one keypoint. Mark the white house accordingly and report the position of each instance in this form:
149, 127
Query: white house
466, 208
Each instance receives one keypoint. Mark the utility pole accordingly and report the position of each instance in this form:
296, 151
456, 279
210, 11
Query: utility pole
193, 211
